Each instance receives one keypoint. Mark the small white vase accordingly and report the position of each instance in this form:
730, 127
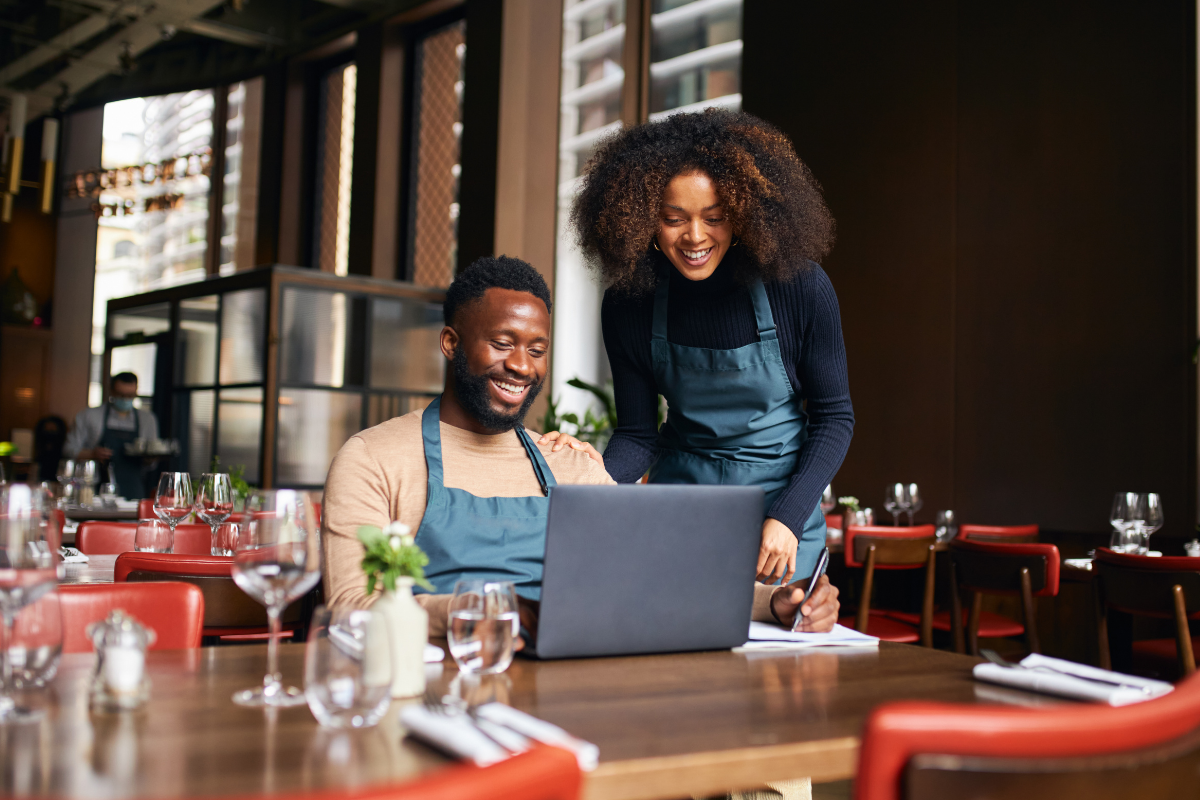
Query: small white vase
408, 628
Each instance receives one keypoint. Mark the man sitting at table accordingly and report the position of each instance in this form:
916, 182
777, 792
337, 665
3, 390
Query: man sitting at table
464, 474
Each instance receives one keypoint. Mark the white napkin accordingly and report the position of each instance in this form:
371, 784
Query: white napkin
69, 555
586, 753
453, 733
1078, 563
1068, 679
768, 636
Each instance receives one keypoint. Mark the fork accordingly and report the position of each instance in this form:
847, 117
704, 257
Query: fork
437, 705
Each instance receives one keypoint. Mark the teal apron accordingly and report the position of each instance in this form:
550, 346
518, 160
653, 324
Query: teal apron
128, 469
489, 538
733, 417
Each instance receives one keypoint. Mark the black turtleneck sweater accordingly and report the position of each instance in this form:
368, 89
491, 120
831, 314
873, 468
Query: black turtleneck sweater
717, 313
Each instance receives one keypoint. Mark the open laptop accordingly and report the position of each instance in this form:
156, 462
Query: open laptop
648, 569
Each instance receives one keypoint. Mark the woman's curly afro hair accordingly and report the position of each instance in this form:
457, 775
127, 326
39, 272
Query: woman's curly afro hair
770, 196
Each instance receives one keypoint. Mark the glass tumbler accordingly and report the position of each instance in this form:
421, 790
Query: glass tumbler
153, 536
484, 624
225, 539
348, 667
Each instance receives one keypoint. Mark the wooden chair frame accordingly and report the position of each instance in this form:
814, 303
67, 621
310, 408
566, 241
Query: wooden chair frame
989, 569
892, 551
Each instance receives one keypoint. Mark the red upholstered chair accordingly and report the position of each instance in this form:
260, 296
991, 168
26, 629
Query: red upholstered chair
174, 610
542, 773
884, 548
1024, 570
932, 751
834, 521
99, 538
999, 533
1168, 588
228, 611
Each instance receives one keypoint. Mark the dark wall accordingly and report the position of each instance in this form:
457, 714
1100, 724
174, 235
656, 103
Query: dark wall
1014, 189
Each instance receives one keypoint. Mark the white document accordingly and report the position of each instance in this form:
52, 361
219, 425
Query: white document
768, 636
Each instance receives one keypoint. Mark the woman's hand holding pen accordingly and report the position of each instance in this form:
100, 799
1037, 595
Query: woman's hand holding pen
820, 610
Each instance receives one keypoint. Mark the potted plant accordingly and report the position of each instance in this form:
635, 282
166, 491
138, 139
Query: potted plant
394, 564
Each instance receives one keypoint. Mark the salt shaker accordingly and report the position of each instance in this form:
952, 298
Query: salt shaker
121, 642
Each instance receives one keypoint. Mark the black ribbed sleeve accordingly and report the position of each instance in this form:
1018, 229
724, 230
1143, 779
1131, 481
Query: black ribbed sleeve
717, 313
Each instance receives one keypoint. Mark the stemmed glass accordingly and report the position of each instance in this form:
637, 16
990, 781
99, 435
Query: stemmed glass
1120, 518
896, 500
277, 560
65, 476
29, 539
173, 500
914, 502
85, 482
828, 500
214, 504
1145, 517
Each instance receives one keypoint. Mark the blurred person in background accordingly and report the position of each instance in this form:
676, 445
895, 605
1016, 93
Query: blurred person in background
101, 434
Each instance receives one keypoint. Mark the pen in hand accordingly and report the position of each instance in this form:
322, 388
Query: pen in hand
818, 571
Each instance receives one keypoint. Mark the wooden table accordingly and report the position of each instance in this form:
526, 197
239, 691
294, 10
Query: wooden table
667, 726
98, 569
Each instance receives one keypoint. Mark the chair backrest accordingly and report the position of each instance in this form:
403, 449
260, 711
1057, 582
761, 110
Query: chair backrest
174, 610
995, 568
541, 773
922, 751
99, 538
1143, 585
999, 533
225, 605
893, 546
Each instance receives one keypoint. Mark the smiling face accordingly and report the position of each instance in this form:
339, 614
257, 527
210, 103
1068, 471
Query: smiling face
499, 349
693, 231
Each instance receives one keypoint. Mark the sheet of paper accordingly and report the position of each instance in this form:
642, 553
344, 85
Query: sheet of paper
840, 636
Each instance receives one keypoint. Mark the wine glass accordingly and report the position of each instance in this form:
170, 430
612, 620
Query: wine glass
29, 540
214, 503
109, 489
65, 476
947, 525
914, 502
1119, 517
1145, 517
173, 500
896, 500
277, 560
828, 500
484, 624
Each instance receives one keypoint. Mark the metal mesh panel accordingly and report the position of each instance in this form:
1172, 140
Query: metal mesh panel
439, 130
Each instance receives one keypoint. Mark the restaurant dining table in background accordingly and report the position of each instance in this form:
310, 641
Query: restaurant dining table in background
667, 726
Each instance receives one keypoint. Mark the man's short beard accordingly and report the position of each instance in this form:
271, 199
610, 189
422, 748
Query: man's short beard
473, 395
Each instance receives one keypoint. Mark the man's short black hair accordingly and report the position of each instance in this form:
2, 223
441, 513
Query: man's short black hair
122, 377
493, 272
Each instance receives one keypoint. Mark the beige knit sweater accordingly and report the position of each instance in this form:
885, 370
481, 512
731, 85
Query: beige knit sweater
379, 475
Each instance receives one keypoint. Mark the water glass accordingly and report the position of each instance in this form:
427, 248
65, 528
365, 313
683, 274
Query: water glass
947, 526
1123, 540
37, 641
153, 536
484, 624
348, 667
225, 539
828, 500
173, 500
85, 482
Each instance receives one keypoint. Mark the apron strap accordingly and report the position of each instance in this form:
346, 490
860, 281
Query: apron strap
137, 421
540, 468
658, 331
763, 317
431, 435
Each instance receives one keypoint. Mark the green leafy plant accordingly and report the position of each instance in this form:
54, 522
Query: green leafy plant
390, 554
237, 481
595, 428
850, 502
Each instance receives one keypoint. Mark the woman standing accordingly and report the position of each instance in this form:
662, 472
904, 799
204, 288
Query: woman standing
706, 229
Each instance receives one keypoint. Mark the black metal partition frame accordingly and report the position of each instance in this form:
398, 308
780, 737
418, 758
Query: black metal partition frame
276, 367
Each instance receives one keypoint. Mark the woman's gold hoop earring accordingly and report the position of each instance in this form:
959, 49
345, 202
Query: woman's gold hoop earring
736, 241
655, 243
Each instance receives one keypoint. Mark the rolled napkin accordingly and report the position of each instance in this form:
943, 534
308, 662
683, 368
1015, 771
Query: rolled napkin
1056, 676
454, 733
586, 753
